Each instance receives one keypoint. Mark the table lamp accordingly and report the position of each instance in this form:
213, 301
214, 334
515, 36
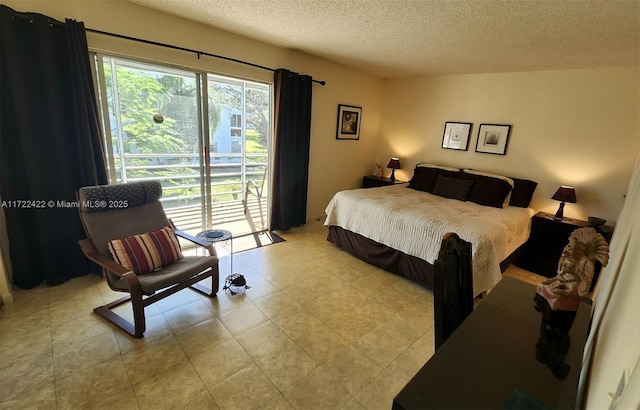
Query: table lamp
394, 163
564, 194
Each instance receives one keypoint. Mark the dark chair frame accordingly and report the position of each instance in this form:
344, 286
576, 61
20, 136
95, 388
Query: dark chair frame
452, 286
139, 299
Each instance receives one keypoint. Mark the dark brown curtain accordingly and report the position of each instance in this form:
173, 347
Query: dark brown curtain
292, 140
50, 144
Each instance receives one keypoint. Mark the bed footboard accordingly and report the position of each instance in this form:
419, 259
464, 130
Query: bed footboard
382, 256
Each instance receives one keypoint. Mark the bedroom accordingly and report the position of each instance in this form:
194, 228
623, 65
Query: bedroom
553, 113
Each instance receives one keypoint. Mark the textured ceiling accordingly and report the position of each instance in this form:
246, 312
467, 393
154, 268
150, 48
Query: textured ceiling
403, 38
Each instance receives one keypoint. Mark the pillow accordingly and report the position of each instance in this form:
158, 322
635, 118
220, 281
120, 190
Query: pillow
424, 177
522, 192
147, 252
488, 189
426, 165
509, 180
452, 188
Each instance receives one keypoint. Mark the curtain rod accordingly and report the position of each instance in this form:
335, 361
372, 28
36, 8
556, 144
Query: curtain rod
52, 22
189, 50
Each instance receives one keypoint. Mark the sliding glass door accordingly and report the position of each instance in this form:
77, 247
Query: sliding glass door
239, 140
206, 138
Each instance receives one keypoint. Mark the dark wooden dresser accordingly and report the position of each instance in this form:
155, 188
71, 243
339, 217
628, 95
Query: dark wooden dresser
511, 352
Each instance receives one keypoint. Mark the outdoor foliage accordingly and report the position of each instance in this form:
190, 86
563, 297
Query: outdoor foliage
140, 97
257, 108
148, 145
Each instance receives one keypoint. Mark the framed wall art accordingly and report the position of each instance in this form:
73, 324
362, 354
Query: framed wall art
492, 138
349, 119
456, 135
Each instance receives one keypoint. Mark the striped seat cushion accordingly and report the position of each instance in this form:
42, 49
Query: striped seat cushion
147, 252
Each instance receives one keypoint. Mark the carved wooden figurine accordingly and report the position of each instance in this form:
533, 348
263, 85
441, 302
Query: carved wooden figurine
575, 269
378, 171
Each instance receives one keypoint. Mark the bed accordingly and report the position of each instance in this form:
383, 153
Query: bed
399, 228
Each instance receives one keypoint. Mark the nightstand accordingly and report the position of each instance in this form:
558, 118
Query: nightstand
369, 181
547, 240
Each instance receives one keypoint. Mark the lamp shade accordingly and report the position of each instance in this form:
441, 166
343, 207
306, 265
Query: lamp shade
394, 163
565, 194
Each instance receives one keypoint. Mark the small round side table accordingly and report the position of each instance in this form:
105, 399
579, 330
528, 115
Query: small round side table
216, 236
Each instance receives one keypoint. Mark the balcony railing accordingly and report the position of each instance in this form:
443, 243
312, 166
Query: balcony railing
183, 199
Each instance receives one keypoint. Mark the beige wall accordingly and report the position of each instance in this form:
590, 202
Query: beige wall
615, 332
334, 165
569, 127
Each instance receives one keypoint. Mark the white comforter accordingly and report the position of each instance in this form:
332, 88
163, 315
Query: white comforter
414, 222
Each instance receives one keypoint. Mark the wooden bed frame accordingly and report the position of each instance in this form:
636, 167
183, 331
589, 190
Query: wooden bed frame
392, 260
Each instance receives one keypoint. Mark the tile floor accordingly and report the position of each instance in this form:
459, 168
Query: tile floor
318, 329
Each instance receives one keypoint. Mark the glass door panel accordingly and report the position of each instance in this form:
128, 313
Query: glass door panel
239, 132
208, 146
154, 131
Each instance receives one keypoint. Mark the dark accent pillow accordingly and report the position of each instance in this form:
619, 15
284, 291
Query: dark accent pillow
424, 178
453, 188
522, 193
487, 191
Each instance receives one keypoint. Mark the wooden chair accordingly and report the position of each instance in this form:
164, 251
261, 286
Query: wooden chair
452, 286
111, 212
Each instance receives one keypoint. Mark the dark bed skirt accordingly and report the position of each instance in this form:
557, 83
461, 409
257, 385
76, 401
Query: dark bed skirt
382, 256
391, 259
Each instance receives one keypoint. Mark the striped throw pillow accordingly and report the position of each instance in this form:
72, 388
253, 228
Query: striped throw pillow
147, 252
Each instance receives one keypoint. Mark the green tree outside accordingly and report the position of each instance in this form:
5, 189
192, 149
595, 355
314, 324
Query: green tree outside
141, 94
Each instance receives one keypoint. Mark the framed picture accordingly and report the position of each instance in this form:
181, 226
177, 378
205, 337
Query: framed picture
456, 135
349, 118
492, 138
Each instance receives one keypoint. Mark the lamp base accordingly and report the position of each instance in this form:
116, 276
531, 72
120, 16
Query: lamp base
392, 177
560, 213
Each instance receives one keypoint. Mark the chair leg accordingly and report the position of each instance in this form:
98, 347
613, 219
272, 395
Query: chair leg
135, 330
260, 209
135, 296
245, 201
215, 284
138, 327
138, 315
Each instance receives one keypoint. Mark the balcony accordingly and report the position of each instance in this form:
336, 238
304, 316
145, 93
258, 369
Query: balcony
194, 206
228, 215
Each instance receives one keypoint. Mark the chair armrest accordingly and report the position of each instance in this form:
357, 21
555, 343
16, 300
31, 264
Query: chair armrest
191, 238
197, 241
92, 254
